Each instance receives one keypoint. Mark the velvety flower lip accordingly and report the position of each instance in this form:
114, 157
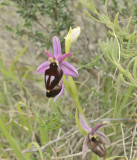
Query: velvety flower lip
67, 68
95, 139
62, 89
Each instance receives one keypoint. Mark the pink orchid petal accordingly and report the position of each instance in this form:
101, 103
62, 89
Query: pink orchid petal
68, 69
84, 124
44, 66
48, 54
103, 137
94, 129
60, 93
56, 47
85, 147
61, 58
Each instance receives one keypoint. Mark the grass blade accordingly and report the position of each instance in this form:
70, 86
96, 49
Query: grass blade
11, 140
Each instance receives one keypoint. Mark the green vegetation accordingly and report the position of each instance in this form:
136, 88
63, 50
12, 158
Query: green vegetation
33, 127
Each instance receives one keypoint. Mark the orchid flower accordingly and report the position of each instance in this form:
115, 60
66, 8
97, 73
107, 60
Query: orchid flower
95, 140
66, 67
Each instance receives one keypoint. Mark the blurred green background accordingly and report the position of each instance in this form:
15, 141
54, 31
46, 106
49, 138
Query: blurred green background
105, 55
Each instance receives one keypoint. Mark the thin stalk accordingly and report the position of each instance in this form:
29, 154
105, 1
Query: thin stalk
11, 140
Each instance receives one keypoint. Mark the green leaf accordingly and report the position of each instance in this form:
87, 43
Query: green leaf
106, 3
24, 76
127, 27
17, 57
90, 16
23, 121
11, 140
82, 131
135, 69
10, 75
85, 3
40, 151
130, 63
116, 22
128, 83
9, 28
92, 7
38, 147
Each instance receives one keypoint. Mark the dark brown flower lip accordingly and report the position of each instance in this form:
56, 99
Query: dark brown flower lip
96, 145
53, 76
54, 92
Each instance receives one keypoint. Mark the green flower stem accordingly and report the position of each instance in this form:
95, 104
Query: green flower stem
76, 100
72, 90
71, 87
82, 131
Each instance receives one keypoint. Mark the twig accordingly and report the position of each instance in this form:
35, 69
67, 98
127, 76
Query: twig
103, 115
64, 116
50, 143
33, 36
134, 133
134, 155
71, 130
68, 139
69, 156
114, 143
123, 142
44, 27
115, 119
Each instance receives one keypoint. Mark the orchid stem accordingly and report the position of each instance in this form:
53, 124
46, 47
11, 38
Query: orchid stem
76, 100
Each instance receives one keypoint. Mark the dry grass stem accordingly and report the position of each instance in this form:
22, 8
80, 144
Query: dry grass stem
124, 146
133, 136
